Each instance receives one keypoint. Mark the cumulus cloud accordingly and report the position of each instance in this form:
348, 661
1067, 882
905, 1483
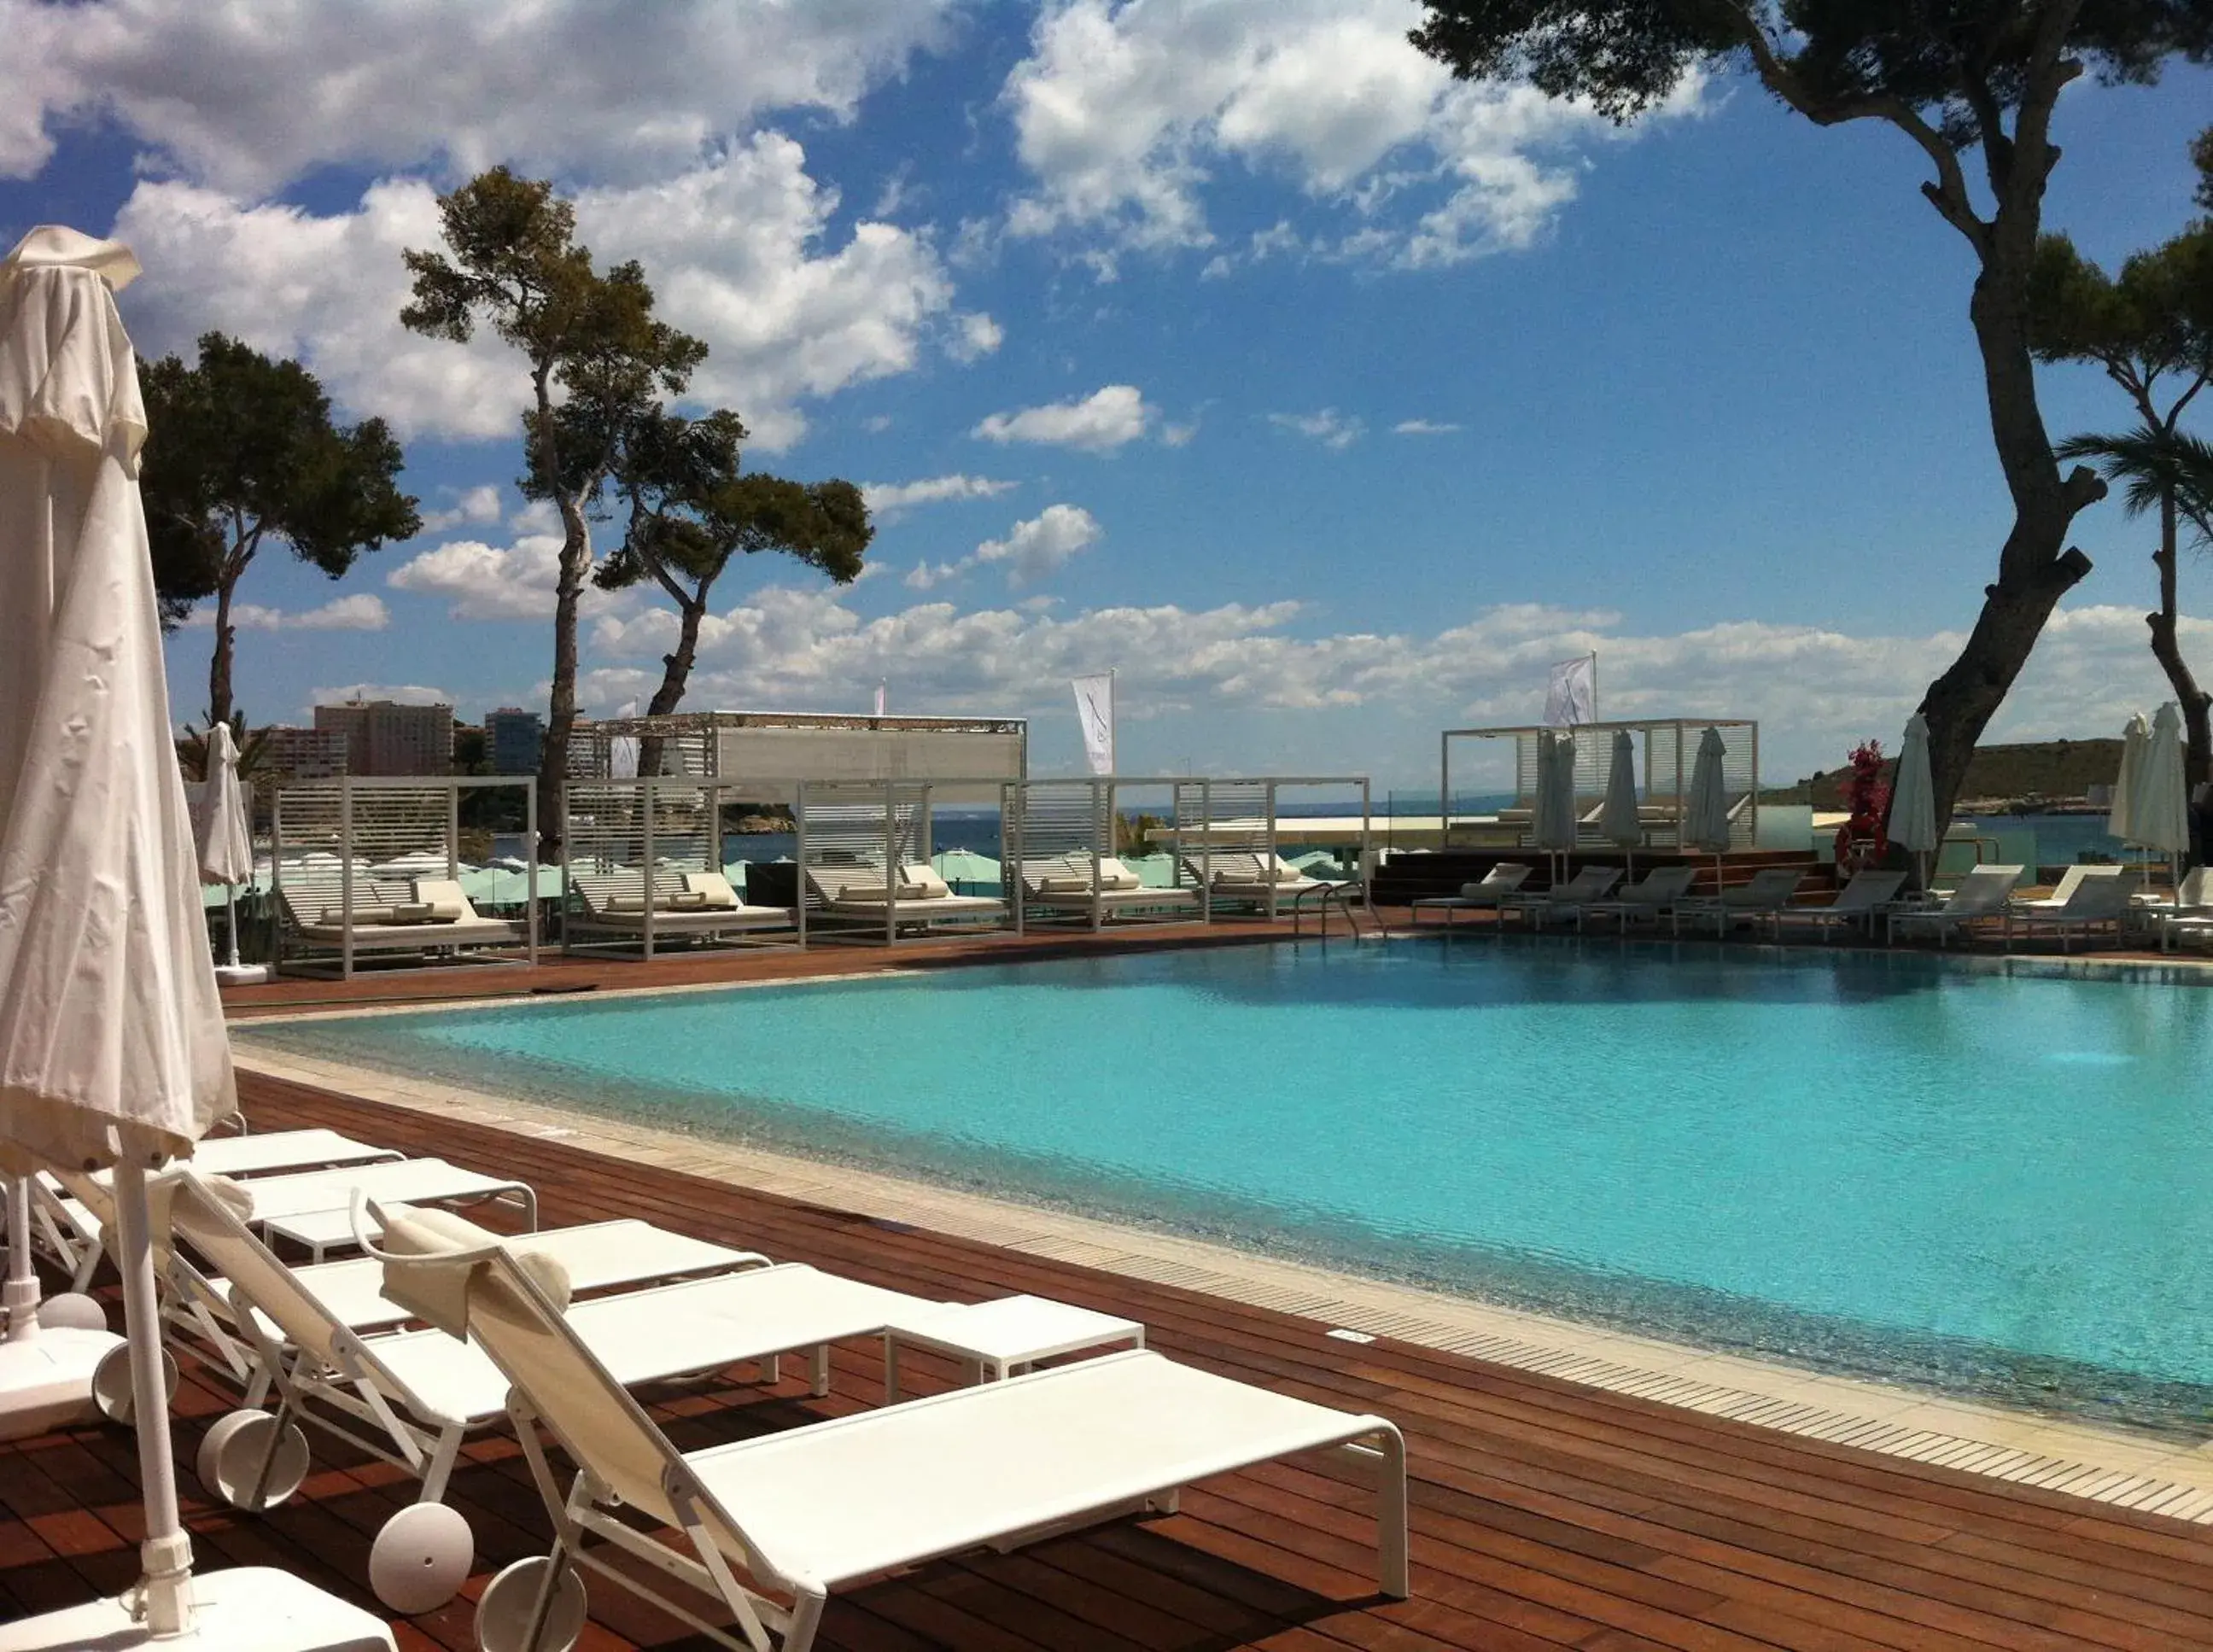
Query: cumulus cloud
1104, 420
1361, 701
1126, 110
360, 612
735, 247
1423, 427
478, 504
1334, 430
887, 500
251, 95
1031, 551
477, 580
975, 336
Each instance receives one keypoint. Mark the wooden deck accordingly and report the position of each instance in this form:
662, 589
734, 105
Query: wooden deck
1544, 1514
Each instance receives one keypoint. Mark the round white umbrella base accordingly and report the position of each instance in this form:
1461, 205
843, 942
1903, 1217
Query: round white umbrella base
46, 1379
246, 1609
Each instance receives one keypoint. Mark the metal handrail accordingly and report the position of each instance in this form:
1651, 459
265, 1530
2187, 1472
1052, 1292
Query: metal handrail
1328, 893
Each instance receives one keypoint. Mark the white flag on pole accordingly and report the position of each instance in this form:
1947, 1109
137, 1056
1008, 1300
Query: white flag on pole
1571, 695
1094, 710
881, 687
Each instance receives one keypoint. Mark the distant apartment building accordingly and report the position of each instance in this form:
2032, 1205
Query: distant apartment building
384, 738
304, 754
513, 739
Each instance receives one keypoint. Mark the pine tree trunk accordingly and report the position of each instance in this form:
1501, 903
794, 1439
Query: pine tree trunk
226, 636
2037, 567
2196, 703
561, 711
676, 671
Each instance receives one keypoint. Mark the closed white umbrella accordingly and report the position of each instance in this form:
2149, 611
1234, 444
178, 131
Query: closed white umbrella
2159, 813
111, 1043
225, 840
1618, 820
1705, 816
2133, 737
1913, 798
1552, 822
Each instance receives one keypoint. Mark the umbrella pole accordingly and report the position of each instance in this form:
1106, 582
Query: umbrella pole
167, 1554
230, 919
20, 1294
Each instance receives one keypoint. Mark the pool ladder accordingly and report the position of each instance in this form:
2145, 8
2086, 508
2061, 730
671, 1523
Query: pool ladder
1327, 895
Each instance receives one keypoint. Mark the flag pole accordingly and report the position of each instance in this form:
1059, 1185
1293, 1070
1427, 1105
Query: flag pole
1113, 725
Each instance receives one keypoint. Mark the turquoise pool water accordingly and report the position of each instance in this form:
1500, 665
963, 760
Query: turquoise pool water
1992, 1179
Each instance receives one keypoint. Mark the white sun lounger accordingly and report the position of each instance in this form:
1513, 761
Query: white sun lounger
1865, 898
1590, 883
1482, 896
2096, 902
1767, 891
1980, 896
70, 1229
311, 1209
1662, 890
411, 1398
815, 1508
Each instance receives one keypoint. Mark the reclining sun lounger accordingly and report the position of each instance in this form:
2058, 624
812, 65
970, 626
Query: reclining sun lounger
687, 906
69, 1229
1766, 892
2098, 901
812, 1509
1590, 883
1484, 896
1979, 898
1862, 900
412, 1397
1064, 884
424, 915
2062, 892
1662, 890
311, 1209
1248, 878
908, 897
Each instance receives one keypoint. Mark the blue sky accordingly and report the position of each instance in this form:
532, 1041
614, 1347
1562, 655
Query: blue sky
1221, 344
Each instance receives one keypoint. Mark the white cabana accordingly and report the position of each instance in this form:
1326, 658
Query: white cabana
2159, 813
2133, 736
1618, 819
111, 1042
1705, 812
224, 837
1913, 798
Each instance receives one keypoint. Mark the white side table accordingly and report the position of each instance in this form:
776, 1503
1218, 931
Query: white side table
996, 1340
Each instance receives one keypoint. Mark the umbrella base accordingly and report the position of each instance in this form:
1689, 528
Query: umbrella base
240, 974
245, 1609
46, 1379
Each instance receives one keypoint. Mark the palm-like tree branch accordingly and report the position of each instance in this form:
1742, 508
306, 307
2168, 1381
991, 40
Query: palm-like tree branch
2153, 466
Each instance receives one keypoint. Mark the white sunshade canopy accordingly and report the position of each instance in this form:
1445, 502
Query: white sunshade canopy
109, 1020
1618, 820
1914, 794
219, 828
1706, 816
2133, 738
2159, 813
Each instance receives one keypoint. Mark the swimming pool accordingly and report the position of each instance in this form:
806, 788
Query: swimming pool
1992, 1180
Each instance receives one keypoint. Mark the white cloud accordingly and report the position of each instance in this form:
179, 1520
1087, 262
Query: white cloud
1423, 427
887, 500
487, 582
1031, 551
1334, 430
402, 693
1125, 111
735, 248
1103, 421
477, 504
253, 94
1364, 702
363, 611
976, 336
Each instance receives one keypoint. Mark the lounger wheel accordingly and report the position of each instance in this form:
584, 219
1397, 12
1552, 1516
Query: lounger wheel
421, 1558
511, 1599
72, 1311
111, 1383
235, 1464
